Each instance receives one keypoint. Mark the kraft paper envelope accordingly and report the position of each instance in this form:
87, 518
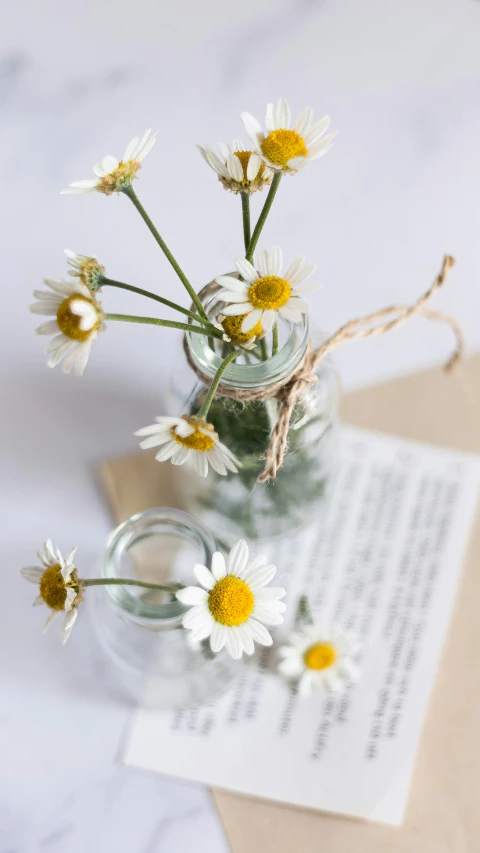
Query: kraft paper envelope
444, 809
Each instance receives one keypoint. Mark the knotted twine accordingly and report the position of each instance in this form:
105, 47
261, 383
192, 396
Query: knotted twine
287, 390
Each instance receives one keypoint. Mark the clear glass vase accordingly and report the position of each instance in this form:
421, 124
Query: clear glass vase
150, 658
237, 505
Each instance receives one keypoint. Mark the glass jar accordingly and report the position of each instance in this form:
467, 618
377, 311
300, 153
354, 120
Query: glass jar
236, 505
154, 661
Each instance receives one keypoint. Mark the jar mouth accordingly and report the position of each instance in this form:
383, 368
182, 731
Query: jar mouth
257, 374
189, 542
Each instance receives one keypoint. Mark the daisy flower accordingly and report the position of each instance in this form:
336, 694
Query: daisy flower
232, 326
88, 270
233, 601
78, 320
282, 148
189, 438
319, 660
239, 170
264, 293
59, 585
114, 176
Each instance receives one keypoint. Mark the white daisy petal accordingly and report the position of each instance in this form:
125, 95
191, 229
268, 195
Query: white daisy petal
235, 309
166, 451
200, 461
38, 600
68, 624
301, 275
253, 167
219, 569
32, 573
316, 130
192, 595
218, 637
230, 282
250, 320
204, 576
234, 167
198, 616
231, 296
264, 612
246, 270
275, 261
297, 163
233, 644
50, 619
237, 558
253, 127
268, 319
304, 120
294, 269
259, 633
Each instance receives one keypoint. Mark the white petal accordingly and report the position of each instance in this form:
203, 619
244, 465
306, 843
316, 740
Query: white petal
90, 183
109, 164
233, 644
50, 620
265, 613
283, 116
146, 147
231, 296
225, 150
59, 353
256, 578
201, 463
253, 166
38, 600
130, 149
218, 637
217, 462
292, 668
216, 164
316, 131
48, 328
251, 320
270, 593
302, 274
268, 320
253, 127
204, 576
68, 624
156, 440
235, 309
262, 262
246, 638
180, 456
297, 163
304, 120
237, 559
50, 552
71, 596
219, 569
234, 167
82, 353
192, 595
32, 573
275, 261
294, 269
230, 282
166, 451
307, 683
270, 117
197, 616
184, 429
259, 632
246, 270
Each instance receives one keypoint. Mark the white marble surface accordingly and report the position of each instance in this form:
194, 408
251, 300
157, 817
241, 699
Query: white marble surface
400, 188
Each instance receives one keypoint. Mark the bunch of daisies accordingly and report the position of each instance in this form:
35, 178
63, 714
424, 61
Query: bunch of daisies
250, 301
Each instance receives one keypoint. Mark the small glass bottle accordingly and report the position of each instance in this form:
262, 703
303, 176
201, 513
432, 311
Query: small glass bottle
151, 657
238, 505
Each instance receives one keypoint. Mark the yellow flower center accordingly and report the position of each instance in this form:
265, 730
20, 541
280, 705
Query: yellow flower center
120, 178
282, 145
231, 601
69, 322
52, 588
269, 292
197, 440
232, 326
320, 656
244, 157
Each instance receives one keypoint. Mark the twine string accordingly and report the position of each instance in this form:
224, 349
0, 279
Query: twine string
287, 390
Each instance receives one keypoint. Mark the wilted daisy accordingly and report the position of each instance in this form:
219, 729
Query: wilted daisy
233, 602
87, 269
319, 660
113, 175
59, 585
288, 149
264, 291
189, 438
78, 320
239, 170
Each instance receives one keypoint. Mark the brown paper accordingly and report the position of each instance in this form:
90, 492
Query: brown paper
444, 813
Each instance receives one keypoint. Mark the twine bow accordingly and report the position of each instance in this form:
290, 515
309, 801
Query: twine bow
287, 390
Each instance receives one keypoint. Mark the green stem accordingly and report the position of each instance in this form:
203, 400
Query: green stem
275, 338
172, 588
263, 349
216, 381
169, 324
263, 215
246, 219
121, 284
130, 192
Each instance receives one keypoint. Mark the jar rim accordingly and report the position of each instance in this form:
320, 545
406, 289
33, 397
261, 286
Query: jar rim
258, 374
139, 526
